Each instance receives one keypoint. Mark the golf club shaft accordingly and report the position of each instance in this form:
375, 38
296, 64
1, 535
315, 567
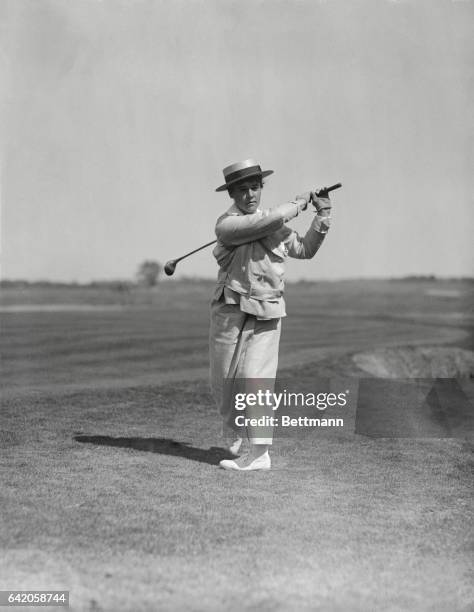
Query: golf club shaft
195, 251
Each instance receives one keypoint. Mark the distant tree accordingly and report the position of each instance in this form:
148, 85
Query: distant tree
149, 273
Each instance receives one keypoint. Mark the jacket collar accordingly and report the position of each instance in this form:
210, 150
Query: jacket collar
235, 210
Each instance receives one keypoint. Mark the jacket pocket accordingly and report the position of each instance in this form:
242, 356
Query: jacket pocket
218, 291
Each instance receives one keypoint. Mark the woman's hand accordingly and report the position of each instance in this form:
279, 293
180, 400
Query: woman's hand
322, 203
306, 196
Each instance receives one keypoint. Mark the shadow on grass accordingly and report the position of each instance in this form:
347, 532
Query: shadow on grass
163, 446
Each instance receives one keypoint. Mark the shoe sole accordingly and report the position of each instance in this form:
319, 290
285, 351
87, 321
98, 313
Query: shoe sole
233, 469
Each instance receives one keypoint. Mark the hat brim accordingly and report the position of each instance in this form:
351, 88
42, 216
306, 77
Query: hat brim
263, 174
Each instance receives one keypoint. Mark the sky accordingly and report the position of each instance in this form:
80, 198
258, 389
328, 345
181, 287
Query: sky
117, 118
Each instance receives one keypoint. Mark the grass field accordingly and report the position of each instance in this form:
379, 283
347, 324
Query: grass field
110, 445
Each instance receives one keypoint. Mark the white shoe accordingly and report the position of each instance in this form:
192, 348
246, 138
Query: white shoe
247, 463
234, 448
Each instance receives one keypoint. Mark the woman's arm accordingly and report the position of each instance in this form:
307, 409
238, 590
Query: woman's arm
306, 247
233, 230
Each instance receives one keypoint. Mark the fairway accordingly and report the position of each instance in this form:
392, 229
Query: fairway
110, 449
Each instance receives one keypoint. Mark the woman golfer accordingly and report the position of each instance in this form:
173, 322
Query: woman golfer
248, 304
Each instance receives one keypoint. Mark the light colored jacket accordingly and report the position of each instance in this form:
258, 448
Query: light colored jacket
251, 249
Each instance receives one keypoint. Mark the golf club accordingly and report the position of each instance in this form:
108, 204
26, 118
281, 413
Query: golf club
170, 265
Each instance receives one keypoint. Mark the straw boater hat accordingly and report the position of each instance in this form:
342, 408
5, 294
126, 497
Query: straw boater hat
242, 170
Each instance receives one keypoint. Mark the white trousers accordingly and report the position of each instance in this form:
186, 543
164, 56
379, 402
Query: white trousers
242, 347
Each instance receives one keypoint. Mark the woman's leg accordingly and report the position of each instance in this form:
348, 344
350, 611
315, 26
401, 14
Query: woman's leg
225, 346
257, 371
259, 367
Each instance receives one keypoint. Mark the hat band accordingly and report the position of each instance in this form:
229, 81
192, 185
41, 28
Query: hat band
241, 174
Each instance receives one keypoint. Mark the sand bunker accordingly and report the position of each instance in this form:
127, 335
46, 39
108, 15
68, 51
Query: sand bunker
417, 362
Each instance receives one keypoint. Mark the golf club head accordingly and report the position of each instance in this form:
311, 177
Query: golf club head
170, 267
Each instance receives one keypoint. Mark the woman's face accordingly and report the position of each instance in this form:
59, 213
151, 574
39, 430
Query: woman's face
246, 194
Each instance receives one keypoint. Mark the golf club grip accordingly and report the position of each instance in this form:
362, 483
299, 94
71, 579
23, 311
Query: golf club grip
328, 189
195, 250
